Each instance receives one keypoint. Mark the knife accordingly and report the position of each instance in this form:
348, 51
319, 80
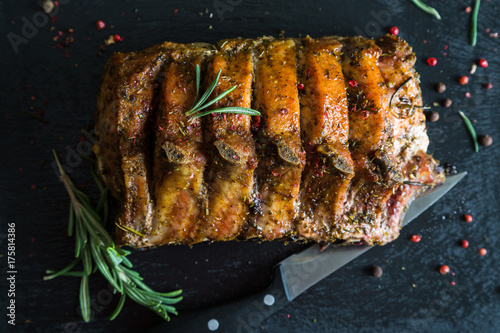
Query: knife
291, 277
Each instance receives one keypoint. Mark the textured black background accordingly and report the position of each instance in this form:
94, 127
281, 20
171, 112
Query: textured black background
411, 296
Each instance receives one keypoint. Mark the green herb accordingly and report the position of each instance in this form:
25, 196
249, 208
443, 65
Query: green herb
200, 104
473, 28
94, 248
125, 228
472, 132
426, 8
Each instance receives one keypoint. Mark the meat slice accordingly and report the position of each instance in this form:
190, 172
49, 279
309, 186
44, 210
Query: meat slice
280, 150
396, 65
370, 135
230, 179
124, 106
179, 160
325, 129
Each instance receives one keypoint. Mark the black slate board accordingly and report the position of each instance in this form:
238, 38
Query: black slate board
411, 295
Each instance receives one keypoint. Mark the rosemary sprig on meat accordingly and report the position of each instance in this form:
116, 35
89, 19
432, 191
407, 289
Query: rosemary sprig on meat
95, 249
202, 103
472, 132
426, 8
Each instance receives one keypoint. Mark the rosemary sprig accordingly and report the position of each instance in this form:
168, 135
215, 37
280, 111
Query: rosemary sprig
94, 247
426, 8
472, 132
473, 27
200, 104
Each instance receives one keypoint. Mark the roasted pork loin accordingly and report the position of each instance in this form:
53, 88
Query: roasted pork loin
337, 155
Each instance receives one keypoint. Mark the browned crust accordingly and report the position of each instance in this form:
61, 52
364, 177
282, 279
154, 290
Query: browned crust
330, 167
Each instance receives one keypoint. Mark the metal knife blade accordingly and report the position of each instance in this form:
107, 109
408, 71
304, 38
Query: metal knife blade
301, 271
291, 277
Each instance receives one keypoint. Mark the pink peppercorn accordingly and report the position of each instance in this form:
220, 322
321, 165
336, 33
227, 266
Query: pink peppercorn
415, 238
465, 243
483, 63
118, 38
482, 251
445, 269
300, 86
432, 61
394, 31
463, 80
468, 218
100, 25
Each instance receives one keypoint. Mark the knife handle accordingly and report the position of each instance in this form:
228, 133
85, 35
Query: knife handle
242, 315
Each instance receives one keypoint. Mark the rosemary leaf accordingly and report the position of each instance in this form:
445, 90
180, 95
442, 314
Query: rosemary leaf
125, 228
473, 28
216, 99
71, 219
66, 269
230, 109
103, 266
205, 95
119, 307
201, 105
114, 256
472, 132
72, 273
198, 82
85, 298
80, 237
87, 260
426, 8
102, 200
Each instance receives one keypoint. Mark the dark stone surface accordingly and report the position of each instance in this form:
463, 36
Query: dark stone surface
411, 295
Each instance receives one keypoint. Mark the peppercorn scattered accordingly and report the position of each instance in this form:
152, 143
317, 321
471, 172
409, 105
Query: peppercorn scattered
444, 269
300, 86
440, 87
447, 103
118, 38
416, 238
468, 218
482, 251
377, 271
485, 140
463, 80
465, 243
488, 86
433, 116
394, 31
47, 6
483, 63
100, 25
450, 169
432, 61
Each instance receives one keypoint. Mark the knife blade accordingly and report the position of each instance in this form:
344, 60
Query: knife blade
291, 277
